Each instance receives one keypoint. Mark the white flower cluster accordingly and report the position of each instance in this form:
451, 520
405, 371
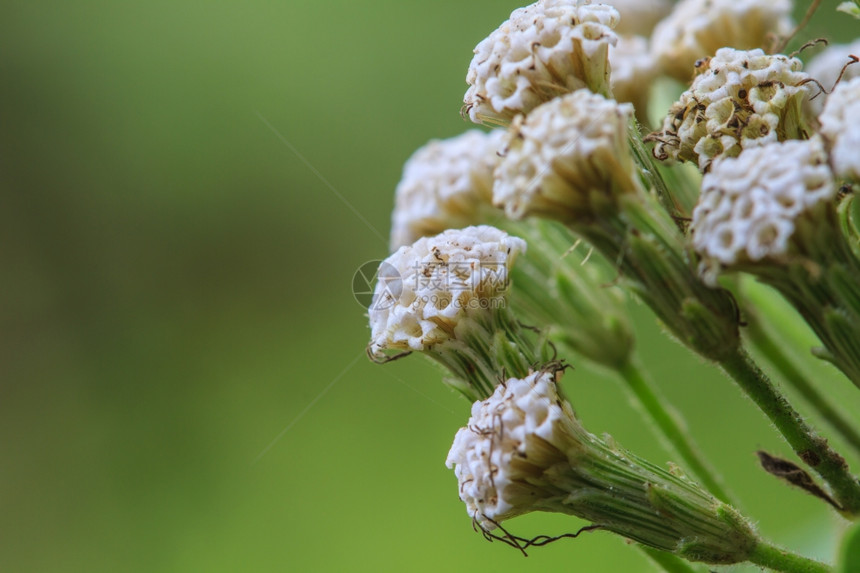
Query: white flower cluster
840, 127
750, 204
561, 153
511, 440
546, 49
828, 65
698, 28
741, 99
444, 280
445, 185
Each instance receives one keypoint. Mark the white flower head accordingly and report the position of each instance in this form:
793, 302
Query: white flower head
638, 17
740, 99
840, 127
633, 70
546, 49
446, 281
698, 28
826, 68
445, 185
561, 153
512, 439
750, 204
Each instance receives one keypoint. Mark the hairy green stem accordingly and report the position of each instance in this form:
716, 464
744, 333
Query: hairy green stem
812, 448
772, 557
672, 429
772, 350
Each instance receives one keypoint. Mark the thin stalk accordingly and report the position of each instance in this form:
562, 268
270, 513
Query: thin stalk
772, 557
812, 448
762, 341
673, 430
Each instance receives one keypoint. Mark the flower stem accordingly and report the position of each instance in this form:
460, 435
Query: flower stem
777, 559
672, 429
765, 343
812, 448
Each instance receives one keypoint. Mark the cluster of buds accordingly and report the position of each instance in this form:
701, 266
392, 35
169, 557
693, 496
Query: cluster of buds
772, 212
566, 159
697, 29
755, 207
567, 78
447, 184
544, 50
570, 160
450, 303
738, 99
524, 450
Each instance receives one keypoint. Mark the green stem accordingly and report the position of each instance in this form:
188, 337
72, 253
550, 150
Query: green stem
812, 448
666, 561
791, 372
772, 557
672, 429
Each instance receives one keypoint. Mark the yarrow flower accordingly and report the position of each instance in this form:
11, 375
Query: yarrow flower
750, 205
524, 450
840, 127
562, 154
739, 99
546, 49
698, 28
447, 184
828, 66
772, 212
452, 306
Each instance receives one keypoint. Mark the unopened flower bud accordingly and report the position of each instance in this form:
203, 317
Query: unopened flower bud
751, 205
447, 184
739, 100
544, 50
771, 212
698, 28
452, 306
563, 156
840, 127
524, 450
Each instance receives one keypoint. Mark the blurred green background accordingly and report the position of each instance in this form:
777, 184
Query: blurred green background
176, 270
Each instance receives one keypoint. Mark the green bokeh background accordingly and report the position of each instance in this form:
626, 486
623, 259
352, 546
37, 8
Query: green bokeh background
178, 240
